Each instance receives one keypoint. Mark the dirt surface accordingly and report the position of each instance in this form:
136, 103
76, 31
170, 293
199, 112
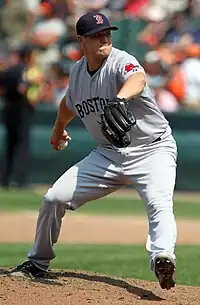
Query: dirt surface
88, 288
79, 287
105, 229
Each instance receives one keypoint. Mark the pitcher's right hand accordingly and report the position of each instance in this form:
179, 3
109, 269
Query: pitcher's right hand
57, 137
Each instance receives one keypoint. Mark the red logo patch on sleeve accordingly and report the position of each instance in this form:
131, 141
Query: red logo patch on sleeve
129, 67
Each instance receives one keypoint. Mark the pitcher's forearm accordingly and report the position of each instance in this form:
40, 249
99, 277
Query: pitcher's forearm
64, 116
133, 86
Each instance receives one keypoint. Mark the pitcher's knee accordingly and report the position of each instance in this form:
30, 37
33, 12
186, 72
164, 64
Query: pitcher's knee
59, 198
156, 206
54, 197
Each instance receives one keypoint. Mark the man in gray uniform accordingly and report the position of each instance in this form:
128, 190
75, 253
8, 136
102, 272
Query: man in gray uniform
108, 91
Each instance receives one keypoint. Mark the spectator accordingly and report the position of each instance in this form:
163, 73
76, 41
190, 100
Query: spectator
115, 9
3, 3
191, 71
49, 29
195, 8
155, 28
133, 8
180, 34
16, 116
31, 15
46, 33
176, 83
157, 76
63, 8
83, 6
60, 82
151, 8
166, 100
153, 64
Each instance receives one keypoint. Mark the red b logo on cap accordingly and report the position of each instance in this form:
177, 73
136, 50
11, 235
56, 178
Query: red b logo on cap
99, 19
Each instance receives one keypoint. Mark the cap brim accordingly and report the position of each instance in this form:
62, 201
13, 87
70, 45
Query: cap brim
102, 28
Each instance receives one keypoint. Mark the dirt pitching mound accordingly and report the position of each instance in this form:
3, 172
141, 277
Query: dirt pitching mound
80, 287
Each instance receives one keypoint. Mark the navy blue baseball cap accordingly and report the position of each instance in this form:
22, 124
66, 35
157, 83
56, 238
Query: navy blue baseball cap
92, 23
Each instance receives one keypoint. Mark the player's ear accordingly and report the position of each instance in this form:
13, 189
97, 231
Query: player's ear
80, 38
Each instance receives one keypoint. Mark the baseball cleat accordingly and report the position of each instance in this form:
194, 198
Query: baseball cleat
165, 270
28, 269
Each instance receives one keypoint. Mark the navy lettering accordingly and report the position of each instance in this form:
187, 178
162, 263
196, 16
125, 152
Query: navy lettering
89, 101
96, 99
91, 105
80, 110
85, 107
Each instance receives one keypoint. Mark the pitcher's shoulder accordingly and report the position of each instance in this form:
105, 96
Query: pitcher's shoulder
119, 55
78, 66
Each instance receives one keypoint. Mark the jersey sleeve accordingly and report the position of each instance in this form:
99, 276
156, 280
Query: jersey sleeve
69, 102
127, 66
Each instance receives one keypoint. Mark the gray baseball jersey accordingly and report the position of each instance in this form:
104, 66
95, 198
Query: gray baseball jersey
86, 96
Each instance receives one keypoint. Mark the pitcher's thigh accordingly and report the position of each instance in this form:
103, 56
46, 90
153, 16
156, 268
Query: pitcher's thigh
92, 178
157, 185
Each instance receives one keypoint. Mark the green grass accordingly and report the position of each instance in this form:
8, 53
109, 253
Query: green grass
117, 260
24, 200
128, 206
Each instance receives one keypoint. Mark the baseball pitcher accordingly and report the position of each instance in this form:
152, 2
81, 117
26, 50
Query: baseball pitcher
109, 93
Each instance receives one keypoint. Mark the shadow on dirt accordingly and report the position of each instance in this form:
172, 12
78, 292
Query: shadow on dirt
56, 277
4, 272
142, 293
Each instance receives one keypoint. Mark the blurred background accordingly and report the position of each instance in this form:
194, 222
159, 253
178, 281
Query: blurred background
38, 48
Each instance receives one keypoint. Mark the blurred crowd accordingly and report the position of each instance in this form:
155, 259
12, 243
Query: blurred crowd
173, 60
171, 34
38, 48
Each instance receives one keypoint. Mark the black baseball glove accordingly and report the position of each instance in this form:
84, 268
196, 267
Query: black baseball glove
116, 122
